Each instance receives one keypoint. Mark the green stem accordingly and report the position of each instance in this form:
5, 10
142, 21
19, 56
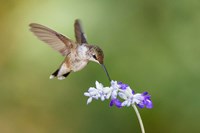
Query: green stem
139, 118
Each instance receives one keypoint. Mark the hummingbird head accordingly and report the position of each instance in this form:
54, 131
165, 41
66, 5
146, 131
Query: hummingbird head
96, 55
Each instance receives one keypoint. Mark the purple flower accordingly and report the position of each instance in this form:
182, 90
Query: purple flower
116, 91
122, 86
116, 102
145, 101
120, 91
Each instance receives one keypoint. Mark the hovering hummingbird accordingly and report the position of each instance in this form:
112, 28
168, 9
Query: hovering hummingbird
77, 53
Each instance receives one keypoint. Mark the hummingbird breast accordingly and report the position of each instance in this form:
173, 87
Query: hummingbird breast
78, 65
78, 58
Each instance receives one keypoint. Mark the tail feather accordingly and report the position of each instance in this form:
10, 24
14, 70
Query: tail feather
66, 74
55, 74
63, 76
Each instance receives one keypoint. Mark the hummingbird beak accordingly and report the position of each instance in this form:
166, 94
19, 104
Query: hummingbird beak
104, 68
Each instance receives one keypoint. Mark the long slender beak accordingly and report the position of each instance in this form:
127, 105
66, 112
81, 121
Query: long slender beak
104, 68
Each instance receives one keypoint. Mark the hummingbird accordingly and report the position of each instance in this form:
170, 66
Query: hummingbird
77, 53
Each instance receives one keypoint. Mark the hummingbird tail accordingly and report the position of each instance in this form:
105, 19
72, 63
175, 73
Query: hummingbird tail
55, 74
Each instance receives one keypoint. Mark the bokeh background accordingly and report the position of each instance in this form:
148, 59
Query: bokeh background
152, 45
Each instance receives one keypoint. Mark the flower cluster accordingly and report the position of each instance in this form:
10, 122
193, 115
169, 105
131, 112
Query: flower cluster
119, 90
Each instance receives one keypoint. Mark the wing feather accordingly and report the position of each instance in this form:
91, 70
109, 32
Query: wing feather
79, 33
56, 40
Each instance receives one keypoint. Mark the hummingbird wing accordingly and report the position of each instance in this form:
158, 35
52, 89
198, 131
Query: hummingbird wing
56, 40
79, 34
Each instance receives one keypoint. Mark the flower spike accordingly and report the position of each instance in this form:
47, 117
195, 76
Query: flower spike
125, 93
119, 90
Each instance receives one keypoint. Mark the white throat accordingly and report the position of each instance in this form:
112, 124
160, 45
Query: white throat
82, 51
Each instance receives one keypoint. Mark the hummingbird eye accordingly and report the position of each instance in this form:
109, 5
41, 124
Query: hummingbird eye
94, 56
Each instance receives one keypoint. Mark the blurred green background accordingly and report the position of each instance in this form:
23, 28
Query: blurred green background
152, 45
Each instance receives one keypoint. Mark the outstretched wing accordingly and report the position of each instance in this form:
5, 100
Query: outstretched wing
56, 40
79, 34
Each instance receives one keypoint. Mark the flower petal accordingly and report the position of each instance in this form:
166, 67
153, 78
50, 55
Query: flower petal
124, 103
149, 104
89, 100
122, 95
140, 105
114, 94
114, 84
106, 89
91, 89
122, 86
99, 85
87, 94
102, 98
108, 95
115, 102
